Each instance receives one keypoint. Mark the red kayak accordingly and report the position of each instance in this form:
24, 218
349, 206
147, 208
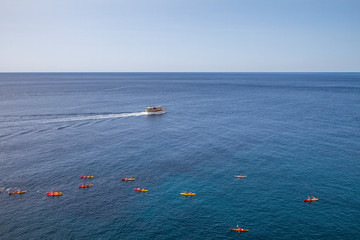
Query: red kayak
312, 199
90, 176
85, 185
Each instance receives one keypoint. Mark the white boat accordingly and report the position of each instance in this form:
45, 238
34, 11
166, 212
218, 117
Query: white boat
155, 110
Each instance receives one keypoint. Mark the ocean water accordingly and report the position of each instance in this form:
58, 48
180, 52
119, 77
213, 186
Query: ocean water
292, 134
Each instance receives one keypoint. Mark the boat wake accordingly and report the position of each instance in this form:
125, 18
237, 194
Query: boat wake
46, 119
94, 117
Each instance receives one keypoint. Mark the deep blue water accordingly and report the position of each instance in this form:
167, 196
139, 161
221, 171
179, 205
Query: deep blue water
292, 134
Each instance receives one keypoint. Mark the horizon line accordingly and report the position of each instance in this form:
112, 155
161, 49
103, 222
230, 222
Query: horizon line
193, 72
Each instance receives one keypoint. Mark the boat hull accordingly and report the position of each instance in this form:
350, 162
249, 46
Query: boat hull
155, 113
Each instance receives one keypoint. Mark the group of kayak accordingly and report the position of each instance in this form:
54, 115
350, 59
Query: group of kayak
238, 229
53, 193
145, 190
86, 185
135, 189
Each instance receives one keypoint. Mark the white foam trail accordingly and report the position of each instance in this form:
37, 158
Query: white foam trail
94, 117
68, 119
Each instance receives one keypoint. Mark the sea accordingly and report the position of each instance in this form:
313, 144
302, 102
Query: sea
291, 134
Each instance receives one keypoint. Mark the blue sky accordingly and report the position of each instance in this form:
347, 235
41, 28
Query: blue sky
179, 36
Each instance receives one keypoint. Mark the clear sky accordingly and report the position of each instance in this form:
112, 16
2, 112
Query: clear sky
179, 35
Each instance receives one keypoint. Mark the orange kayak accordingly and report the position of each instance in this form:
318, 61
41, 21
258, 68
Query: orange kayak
18, 192
239, 230
52, 194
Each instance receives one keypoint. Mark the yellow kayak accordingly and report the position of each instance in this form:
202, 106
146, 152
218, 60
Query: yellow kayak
140, 190
128, 179
187, 194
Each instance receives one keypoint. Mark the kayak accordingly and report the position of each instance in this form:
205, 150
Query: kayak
128, 179
239, 229
241, 176
187, 194
140, 190
18, 192
311, 199
51, 194
90, 176
85, 185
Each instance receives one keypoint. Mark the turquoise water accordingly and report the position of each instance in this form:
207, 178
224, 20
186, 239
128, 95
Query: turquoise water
292, 134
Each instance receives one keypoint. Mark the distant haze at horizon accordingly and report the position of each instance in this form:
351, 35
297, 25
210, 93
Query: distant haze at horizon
180, 36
